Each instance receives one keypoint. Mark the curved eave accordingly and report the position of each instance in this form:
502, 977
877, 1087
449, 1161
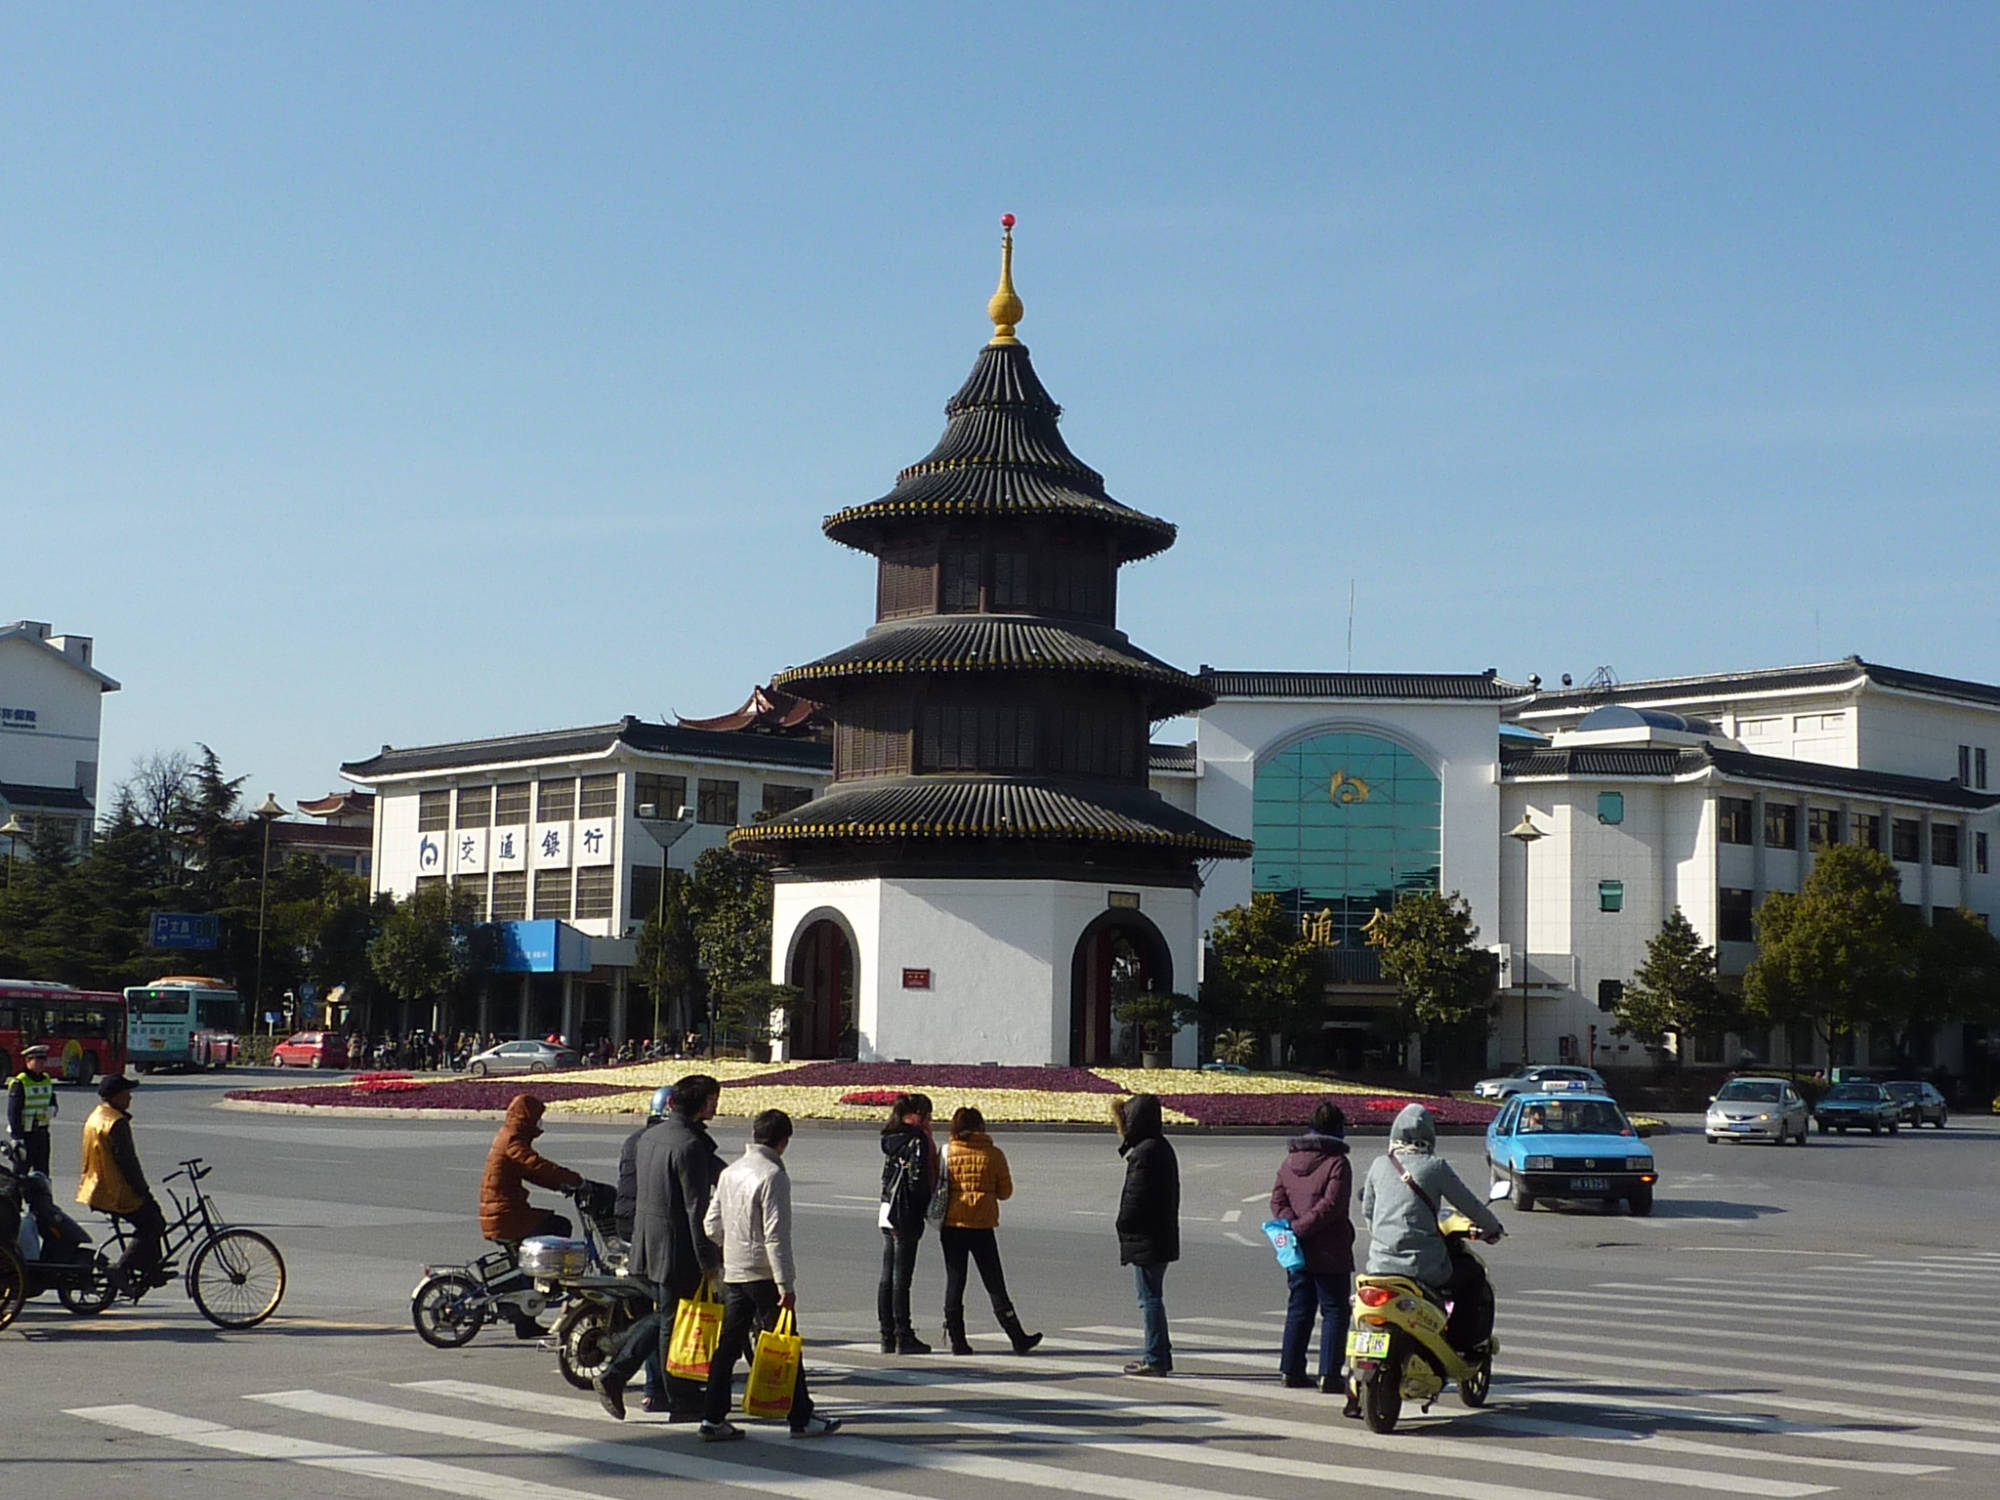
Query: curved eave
1140, 536
1171, 694
754, 835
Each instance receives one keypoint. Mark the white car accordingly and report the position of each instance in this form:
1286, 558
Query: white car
1756, 1109
1542, 1078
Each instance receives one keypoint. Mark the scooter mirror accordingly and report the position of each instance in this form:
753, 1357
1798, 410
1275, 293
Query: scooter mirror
1498, 1191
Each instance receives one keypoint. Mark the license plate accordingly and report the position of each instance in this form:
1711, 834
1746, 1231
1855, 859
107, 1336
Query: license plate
1590, 1184
158, 1041
1368, 1343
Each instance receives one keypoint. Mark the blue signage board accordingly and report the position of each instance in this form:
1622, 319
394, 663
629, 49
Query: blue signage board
181, 929
545, 947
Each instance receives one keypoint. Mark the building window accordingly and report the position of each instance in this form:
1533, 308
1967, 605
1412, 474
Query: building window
552, 895
870, 750
593, 891
1979, 767
1868, 831
1759, 729
1609, 993
510, 896
1979, 853
475, 887
555, 801
1013, 582
1781, 826
642, 893
1906, 840
665, 795
1732, 820
429, 883
779, 798
1610, 807
1822, 827
475, 806
510, 804
1611, 895
597, 797
716, 802
906, 583
433, 812
978, 737
1965, 765
1733, 923
1093, 742
960, 592
1944, 845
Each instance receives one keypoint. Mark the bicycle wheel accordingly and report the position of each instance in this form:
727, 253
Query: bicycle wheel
13, 1285
448, 1309
85, 1298
237, 1279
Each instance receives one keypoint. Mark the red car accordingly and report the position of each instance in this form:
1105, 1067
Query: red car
311, 1049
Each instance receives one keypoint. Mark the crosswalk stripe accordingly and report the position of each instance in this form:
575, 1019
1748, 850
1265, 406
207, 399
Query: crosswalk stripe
1451, 1449
1791, 1377
1017, 1471
1763, 1298
1571, 1333
422, 1473
1893, 1270
1877, 1413
1669, 1310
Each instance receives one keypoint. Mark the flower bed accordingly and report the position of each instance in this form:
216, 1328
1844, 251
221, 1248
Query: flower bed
1295, 1111
421, 1094
931, 1077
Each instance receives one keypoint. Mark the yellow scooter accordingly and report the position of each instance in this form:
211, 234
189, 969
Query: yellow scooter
1396, 1349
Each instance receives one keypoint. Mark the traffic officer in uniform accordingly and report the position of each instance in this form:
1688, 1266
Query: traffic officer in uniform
31, 1104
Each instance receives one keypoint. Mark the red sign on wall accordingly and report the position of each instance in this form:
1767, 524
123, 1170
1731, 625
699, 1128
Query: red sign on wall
916, 979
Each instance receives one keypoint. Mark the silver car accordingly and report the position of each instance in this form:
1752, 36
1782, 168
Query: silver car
1542, 1078
1757, 1109
521, 1057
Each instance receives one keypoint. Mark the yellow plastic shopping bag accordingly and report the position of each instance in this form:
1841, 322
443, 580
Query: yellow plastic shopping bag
697, 1330
774, 1371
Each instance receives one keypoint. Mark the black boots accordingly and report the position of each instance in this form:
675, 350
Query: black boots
1022, 1341
954, 1334
909, 1343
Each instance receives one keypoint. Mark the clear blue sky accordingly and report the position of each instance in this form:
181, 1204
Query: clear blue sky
416, 372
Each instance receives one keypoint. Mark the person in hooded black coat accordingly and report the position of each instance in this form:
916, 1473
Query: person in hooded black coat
1149, 1222
909, 1177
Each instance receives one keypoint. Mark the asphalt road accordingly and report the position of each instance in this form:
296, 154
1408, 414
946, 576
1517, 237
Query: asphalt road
1787, 1322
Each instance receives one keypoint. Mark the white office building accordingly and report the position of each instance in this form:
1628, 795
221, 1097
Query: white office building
51, 711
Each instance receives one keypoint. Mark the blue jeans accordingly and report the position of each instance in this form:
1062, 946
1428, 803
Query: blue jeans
1152, 1281
1309, 1290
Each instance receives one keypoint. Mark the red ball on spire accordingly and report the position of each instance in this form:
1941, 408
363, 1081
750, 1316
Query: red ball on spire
1006, 221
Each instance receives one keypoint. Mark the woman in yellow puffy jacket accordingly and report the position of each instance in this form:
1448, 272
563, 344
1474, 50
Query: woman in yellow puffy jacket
976, 1180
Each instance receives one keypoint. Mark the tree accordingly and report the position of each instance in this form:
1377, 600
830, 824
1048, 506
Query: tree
1674, 992
1840, 953
1263, 974
669, 959
729, 901
429, 946
1429, 951
1156, 1015
1957, 979
744, 1010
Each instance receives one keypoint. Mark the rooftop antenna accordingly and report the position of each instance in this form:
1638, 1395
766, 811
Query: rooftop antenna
1350, 624
1603, 683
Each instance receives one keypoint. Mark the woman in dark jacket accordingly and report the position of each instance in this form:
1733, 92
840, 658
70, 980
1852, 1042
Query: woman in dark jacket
1149, 1222
1311, 1194
909, 1177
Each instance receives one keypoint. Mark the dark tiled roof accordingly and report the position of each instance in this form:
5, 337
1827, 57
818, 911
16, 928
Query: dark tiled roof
43, 798
928, 808
560, 744
1487, 687
1001, 454
1171, 757
1739, 765
1767, 680
996, 643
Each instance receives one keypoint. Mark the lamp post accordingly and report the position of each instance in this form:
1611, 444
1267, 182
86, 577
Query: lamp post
13, 830
268, 811
666, 832
1526, 832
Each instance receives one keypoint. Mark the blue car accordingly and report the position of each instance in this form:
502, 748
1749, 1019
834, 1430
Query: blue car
1570, 1146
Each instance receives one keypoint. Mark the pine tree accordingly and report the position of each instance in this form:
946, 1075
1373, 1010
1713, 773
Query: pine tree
1674, 992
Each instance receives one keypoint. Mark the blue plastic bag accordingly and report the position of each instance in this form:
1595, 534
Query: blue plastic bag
1290, 1256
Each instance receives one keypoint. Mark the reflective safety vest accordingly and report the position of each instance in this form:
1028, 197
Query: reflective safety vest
38, 1099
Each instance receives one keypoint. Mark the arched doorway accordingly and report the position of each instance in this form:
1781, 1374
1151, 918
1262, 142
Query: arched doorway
1121, 948
822, 970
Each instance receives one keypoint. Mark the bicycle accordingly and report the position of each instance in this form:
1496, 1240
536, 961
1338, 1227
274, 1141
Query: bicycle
235, 1277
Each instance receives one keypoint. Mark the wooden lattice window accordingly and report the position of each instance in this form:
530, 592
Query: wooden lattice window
959, 586
978, 737
906, 583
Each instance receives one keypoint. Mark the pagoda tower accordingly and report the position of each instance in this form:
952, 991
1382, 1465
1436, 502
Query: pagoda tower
990, 860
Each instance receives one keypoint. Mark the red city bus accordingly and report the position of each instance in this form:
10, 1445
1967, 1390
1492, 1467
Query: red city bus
84, 1030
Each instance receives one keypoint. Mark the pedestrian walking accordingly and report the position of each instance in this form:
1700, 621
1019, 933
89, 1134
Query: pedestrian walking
750, 1217
675, 1165
1312, 1194
1149, 1222
31, 1104
625, 1208
909, 1177
976, 1183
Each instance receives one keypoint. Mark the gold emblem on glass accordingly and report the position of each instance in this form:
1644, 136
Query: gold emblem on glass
1345, 789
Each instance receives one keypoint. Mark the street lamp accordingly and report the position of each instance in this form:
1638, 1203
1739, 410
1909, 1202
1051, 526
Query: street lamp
666, 832
269, 812
1527, 833
14, 831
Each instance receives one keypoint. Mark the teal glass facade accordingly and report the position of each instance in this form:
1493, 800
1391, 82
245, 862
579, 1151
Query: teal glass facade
1344, 822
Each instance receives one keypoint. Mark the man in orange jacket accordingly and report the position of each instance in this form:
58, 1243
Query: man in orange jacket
112, 1182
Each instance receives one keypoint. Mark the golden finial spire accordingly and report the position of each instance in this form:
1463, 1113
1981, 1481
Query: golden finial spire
1005, 307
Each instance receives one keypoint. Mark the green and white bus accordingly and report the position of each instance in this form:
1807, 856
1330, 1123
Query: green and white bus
182, 1021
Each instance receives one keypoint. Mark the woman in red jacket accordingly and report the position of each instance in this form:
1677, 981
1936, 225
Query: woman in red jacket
1311, 1194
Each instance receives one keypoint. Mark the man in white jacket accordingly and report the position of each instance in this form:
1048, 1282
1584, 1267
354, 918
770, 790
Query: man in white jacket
750, 1216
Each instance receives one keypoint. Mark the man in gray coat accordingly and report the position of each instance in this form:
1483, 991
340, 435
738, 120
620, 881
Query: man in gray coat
676, 1166
1401, 1199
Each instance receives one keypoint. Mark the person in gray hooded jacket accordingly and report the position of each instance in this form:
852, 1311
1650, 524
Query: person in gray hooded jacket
1405, 1191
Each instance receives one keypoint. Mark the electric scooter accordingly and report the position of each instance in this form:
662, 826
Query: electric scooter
1396, 1347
